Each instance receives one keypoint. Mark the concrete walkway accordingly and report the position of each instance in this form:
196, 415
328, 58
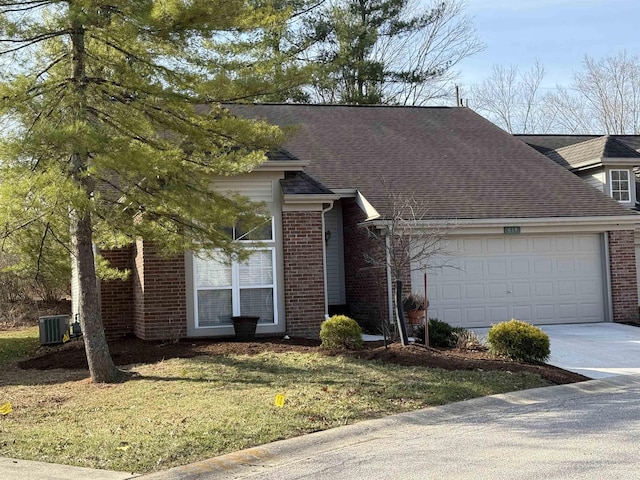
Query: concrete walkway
11, 469
596, 350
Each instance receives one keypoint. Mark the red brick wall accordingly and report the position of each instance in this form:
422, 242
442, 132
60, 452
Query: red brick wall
116, 296
303, 273
160, 301
365, 285
622, 261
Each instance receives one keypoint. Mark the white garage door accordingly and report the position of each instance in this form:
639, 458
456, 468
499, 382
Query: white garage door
538, 279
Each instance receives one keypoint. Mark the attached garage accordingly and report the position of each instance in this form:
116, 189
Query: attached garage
541, 279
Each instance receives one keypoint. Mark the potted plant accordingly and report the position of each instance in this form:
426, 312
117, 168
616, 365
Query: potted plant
245, 327
415, 305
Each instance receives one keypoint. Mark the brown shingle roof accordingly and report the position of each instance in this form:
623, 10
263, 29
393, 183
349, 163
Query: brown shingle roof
450, 158
299, 183
591, 152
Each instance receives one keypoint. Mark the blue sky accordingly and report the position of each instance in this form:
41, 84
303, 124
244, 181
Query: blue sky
557, 32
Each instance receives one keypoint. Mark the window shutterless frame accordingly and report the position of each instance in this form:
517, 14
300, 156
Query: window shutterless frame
620, 185
238, 283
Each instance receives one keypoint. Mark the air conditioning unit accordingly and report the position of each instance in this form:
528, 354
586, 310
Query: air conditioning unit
53, 328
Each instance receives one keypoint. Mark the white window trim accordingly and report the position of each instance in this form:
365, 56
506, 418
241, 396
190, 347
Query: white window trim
272, 239
628, 172
235, 289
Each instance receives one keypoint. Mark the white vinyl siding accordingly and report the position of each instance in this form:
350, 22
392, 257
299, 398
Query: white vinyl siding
541, 279
596, 180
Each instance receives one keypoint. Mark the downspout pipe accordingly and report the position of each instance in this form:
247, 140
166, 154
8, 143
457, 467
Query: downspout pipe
324, 262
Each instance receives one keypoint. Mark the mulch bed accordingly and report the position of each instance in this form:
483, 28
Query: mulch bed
129, 351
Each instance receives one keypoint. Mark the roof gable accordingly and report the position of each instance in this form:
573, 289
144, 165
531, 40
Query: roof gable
591, 152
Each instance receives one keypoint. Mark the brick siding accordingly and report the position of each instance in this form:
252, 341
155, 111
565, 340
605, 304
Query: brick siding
365, 285
303, 273
622, 261
160, 301
116, 296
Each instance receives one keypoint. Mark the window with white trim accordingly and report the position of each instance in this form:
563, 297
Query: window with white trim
227, 287
620, 185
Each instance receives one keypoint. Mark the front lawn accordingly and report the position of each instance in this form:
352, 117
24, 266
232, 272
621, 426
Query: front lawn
15, 344
183, 410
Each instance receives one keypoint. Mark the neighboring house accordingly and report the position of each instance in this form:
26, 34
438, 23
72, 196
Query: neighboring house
532, 240
609, 163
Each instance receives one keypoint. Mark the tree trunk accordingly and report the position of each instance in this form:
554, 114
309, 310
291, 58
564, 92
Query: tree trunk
101, 366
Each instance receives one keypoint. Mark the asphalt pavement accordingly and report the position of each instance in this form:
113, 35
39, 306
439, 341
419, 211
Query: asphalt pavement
589, 430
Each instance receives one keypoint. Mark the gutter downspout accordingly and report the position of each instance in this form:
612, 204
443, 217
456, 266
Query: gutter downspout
324, 263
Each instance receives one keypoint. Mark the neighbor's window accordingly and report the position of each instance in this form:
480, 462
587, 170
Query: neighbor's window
226, 287
621, 185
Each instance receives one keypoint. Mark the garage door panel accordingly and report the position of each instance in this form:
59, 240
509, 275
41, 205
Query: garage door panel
542, 265
545, 313
497, 267
543, 289
539, 278
476, 315
474, 291
566, 265
498, 314
521, 290
567, 287
498, 291
473, 268
567, 311
451, 292
589, 288
522, 312
452, 315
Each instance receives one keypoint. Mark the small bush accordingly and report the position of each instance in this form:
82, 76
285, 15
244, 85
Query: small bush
441, 334
341, 331
519, 341
469, 340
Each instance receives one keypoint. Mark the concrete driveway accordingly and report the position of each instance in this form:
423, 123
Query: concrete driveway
596, 350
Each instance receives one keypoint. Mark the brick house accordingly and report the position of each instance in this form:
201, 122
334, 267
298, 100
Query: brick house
531, 241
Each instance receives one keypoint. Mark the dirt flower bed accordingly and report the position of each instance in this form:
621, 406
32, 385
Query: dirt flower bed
131, 351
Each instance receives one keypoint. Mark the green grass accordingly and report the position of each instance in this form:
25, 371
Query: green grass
182, 410
15, 344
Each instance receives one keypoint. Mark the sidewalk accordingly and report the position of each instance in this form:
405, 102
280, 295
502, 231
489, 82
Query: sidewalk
11, 469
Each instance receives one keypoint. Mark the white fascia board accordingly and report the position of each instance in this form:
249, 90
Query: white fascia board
285, 165
495, 226
302, 198
605, 162
345, 192
627, 162
367, 208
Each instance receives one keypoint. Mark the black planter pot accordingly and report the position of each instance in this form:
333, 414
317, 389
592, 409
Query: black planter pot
245, 327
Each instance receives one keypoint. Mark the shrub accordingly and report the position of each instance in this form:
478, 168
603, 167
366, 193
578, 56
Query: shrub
341, 331
441, 334
519, 341
469, 340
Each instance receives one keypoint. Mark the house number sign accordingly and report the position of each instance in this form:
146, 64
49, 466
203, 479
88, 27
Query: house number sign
511, 230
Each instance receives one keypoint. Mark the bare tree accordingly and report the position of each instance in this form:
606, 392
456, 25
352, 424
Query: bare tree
512, 99
604, 98
407, 241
